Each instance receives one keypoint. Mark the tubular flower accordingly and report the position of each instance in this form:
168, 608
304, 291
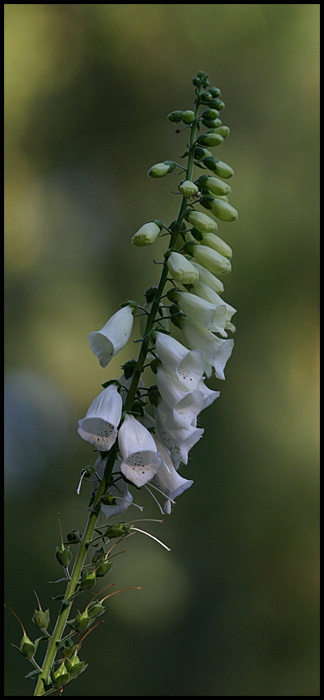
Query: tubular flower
201, 312
179, 441
168, 480
140, 458
175, 395
113, 335
209, 294
217, 351
99, 426
186, 365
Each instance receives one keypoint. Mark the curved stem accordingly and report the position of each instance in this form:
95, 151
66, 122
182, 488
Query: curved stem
73, 582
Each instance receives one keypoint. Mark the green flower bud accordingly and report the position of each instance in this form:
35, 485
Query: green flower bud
161, 169
103, 569
27, 647
202, 222
215, 91
210, 114
208, 278
81, 621
211, 123
223, 210
188, 116
206, 96
217, 103
146, 235
181, 269
221, 169
99, 554
196, 81
63, 556
201, 153
61, 676
175, 116
88, 581
222, 130
95, 609
210, 139
41, 618
215, 185
188, 188
216, 243
211, 260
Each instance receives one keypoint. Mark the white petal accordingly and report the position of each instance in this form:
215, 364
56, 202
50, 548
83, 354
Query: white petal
134, 437
217, 351
113, 335
140, 467
98, 432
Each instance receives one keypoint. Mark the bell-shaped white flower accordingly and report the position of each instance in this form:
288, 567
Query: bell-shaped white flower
217, 351
99, 426
187, 365
140, 458
179, 441
118, 491
202, 312
209, 394
113, 335
168, 480
175, 395
205, 292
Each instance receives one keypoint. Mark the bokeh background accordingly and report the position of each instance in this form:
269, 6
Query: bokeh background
233, 609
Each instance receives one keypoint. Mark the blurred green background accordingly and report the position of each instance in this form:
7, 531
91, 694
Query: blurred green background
233, 609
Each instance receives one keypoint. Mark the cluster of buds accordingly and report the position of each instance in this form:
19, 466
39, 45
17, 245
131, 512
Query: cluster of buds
153, 427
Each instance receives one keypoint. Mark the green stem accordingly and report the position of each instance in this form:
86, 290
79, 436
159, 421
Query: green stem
73, 582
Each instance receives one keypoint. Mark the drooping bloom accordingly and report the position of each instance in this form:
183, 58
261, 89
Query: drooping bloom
140, 458
179, 441
118, 492
186, 365
186, 404
99, 426
202, 312
113, 335
168, 480
217, 351
210, 295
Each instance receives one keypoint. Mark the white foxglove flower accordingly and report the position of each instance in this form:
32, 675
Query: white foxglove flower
99, 426
175, 394
140, 458
217, 351
187, 365
113, 335
209, 394
118, 490
205, 292
179, 441
168, 480
201, 312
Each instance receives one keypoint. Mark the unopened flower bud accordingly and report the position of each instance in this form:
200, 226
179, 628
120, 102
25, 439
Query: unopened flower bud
181, 269
215, 185
175, 116
222, 130
213, 261
217, 103
88, 580
201, 221
27, 647
210, 114
147, 234
220, 168
216, 243
223, 210
188, 116
211, 123
206, 96
210, 139
201, 153
215, 91
208, 278
161, 169
188, 188
63, 555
